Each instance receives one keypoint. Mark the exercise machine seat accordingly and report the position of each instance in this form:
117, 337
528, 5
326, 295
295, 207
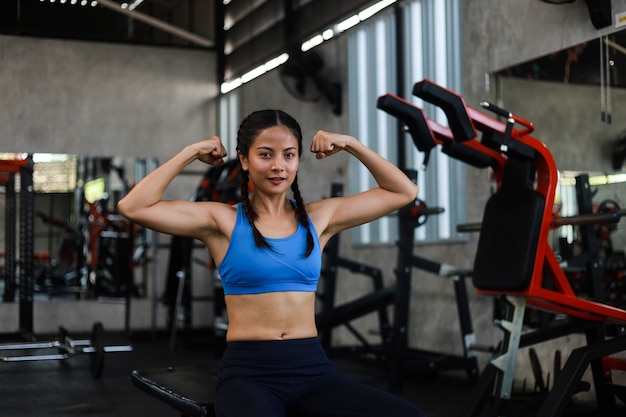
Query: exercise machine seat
509, 236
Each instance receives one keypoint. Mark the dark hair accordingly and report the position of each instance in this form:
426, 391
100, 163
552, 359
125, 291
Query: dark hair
249, 129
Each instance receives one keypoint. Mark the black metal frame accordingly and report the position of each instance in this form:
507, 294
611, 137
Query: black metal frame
26, 243
394, 352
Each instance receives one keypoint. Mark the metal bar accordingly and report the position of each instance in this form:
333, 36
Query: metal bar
176, 31
118, 349
26, 245
21, 346
10, 239
109, 349
34, 358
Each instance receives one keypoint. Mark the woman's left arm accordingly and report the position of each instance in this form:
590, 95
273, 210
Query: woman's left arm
395, 189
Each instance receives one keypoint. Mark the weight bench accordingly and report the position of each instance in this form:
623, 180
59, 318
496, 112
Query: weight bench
188, 389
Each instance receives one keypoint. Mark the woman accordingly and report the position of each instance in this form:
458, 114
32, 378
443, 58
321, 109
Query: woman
268, 252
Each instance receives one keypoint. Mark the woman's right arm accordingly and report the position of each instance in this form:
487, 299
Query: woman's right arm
144, 204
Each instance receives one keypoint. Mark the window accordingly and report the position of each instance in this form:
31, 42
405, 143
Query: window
228, 123
431, 50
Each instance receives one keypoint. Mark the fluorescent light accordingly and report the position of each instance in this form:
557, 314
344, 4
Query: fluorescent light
607, 179
327, 34
254, 73
316, 40
375, 8
230, 85
275, 62
51, 157
348, 23
312, 43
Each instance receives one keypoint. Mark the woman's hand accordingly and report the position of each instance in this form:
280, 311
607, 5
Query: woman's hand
211, 151
325, 143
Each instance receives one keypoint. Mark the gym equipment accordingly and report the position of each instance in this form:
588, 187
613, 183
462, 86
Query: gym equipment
10, 168
514, 261
64, 272
590, 263
331, 316
188, 390
219, 183
403, 359
393, 352
67, 347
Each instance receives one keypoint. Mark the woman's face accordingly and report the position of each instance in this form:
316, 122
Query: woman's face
272, 162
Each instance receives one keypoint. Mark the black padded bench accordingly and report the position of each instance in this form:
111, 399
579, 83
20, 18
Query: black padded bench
189, 390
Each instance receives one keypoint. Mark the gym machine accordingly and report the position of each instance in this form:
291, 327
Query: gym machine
514, 262
393, 353
219, 183
331, 315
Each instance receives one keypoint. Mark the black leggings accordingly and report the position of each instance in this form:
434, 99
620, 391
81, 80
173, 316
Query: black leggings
268, 378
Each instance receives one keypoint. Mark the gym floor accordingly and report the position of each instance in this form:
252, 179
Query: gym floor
66, 387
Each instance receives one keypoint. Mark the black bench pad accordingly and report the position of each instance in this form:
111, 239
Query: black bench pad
189, 390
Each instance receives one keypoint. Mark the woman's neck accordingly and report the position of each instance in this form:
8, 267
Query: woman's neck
273, 207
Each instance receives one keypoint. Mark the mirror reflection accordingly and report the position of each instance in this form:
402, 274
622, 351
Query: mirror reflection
574, 97
592, 246
82, 248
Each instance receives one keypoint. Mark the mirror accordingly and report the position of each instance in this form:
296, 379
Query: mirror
82, 248
574, 97
594, 249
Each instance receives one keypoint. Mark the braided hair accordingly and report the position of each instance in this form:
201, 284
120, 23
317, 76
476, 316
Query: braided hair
249, 129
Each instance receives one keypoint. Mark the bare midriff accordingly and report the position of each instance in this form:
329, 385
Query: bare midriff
271, 316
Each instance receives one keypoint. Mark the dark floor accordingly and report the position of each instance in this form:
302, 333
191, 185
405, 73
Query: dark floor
66, 387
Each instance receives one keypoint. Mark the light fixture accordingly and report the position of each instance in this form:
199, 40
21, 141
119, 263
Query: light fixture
312, 42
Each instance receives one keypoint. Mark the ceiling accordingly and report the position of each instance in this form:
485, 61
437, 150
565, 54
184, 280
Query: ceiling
90, 20
244, 33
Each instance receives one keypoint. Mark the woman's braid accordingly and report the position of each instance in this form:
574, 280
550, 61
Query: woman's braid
251, 215
302, 216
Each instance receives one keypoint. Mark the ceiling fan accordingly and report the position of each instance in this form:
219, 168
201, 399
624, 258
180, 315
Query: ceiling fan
301, 76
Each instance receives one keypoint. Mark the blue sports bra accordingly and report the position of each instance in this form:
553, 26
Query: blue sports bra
247, 269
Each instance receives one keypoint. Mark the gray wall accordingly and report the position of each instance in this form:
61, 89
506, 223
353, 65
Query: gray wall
102, 99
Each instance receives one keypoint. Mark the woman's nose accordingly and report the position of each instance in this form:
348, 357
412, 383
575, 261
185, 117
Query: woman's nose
279, 164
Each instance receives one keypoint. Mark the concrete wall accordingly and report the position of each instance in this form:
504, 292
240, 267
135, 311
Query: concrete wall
102, 99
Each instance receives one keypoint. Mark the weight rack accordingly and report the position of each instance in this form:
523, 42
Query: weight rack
68, 347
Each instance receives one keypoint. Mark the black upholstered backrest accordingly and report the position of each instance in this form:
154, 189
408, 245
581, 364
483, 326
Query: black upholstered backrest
509, 231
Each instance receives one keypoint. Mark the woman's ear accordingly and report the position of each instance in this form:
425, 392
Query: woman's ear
242, 160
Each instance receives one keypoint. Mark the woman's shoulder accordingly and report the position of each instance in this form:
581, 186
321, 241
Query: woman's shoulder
320, 212
221, 215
